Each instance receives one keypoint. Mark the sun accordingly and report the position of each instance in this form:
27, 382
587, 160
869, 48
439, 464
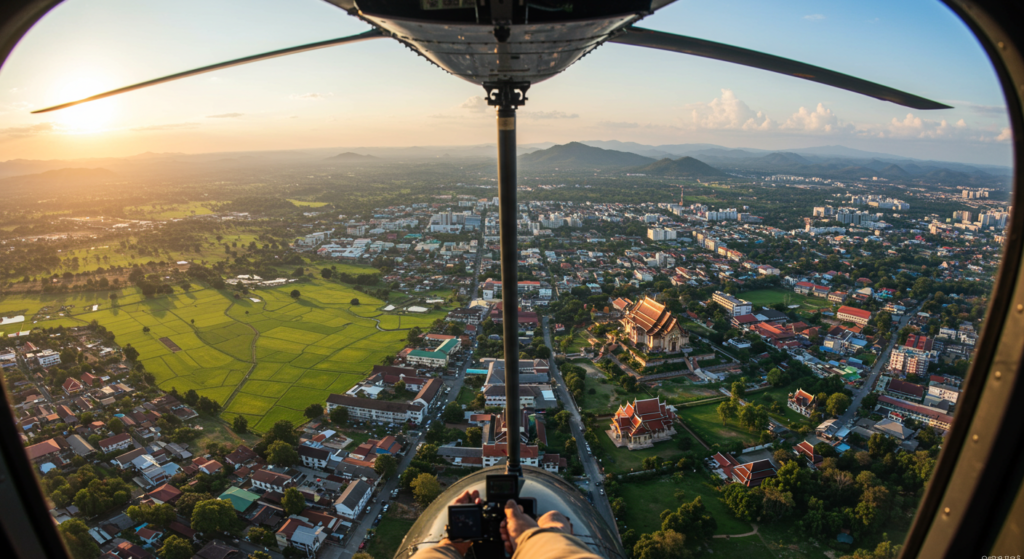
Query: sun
87, 118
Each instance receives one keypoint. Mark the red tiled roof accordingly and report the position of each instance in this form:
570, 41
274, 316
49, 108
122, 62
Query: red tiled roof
854, 312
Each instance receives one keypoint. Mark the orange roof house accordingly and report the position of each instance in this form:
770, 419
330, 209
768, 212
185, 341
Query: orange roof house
642, 423
802, 402
753, 474
649, 323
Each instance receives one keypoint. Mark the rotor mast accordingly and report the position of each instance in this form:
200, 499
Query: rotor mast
507, 96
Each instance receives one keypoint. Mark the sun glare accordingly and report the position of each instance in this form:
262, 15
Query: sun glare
87, 118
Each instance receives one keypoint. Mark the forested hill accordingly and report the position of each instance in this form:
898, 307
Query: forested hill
683, 167
575, 155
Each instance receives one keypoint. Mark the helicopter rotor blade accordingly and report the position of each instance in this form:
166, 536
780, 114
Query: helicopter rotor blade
372, 34
727, 53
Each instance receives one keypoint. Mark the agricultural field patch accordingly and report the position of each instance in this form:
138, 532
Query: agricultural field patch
306, 348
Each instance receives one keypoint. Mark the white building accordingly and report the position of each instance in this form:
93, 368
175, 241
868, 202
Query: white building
48, 358
734, 306
353, 500
362, 409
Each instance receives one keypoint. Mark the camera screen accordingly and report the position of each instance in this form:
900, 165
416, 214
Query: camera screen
465, 522
503, 485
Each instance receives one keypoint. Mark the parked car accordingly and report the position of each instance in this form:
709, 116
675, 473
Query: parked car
362, 545
376, 521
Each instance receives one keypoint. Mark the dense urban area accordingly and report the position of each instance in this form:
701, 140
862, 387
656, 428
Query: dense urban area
292, 355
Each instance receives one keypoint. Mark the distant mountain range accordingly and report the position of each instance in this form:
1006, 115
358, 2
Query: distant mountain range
76, 176
574, 155
682, 167
831, 161
351, 156
683, 160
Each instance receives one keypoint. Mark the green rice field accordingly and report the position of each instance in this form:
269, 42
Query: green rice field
305, 349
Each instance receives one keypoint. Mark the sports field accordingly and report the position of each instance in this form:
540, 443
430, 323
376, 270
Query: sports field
305, 348
769, 297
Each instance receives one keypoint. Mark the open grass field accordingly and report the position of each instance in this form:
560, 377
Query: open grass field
768, 297
749, 547
168, 211
646, 499
307, 204
306, 349
681, 390
604, 399
390, 533
106, 256
622, 460
705, 422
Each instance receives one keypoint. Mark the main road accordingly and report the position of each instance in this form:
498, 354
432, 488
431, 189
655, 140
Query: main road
590, 465
883, 358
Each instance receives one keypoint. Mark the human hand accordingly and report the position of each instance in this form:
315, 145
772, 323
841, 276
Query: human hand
557, 520
466, 498
516, 522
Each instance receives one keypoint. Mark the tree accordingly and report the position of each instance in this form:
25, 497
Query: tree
116, 426
262, 536
426, 488
130, 353
191, 397
354, 302
187, 503
837, 404
385, 465
880, 445
408, 476
661, 545
281, 453
571, 449
754, 417
726, 411
452, 413
264, 555
742, 501
777, 377
240, 424
474, 437
362, 555
160, 515
326, 273
738, 389
175, 548
339, 416
293, 501
76, 537
213, 515
314, 411
690, 519
295, 294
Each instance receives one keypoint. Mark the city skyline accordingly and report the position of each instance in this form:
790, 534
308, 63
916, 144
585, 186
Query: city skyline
616, 93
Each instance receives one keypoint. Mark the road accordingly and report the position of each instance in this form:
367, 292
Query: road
31, 378
590, 465
383, 492
883, 358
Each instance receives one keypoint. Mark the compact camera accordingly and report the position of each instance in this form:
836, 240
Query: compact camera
481, 524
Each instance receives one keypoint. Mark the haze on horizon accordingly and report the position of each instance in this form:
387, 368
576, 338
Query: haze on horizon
379, 94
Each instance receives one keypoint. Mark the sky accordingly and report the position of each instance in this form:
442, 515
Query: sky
378, 93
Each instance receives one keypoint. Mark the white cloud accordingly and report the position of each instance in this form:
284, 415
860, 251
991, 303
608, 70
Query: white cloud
475, 104
311, 96
818, 120
163, 127
916, 127
814, 17
26, 131
728, 113
1005, 136
548, 114
613, 124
